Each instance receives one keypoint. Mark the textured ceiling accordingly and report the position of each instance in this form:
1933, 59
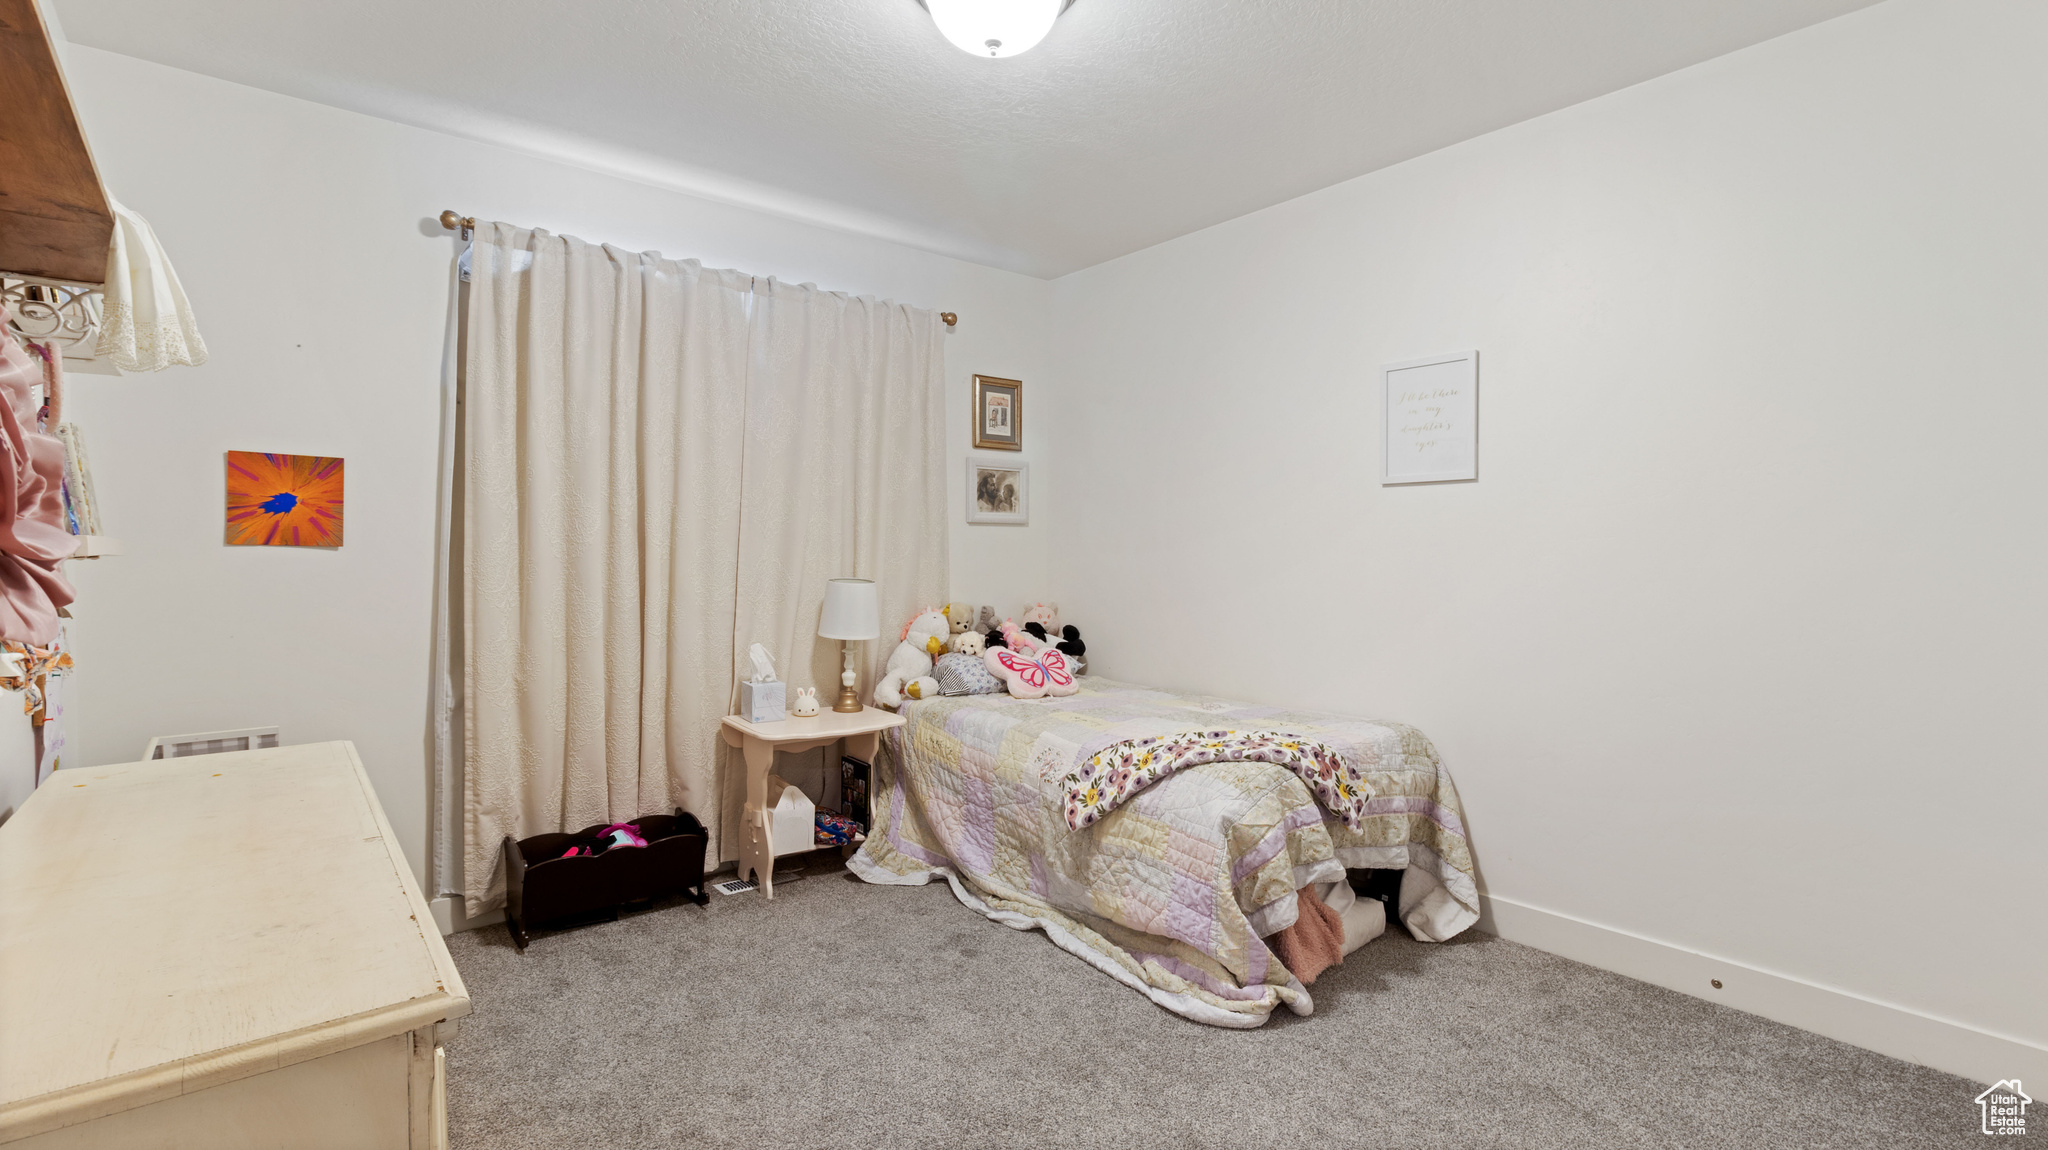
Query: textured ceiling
1134, 122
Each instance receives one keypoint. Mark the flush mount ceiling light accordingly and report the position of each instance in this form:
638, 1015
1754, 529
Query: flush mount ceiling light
995, 28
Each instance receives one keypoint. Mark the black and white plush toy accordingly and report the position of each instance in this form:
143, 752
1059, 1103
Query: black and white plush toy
1070, 642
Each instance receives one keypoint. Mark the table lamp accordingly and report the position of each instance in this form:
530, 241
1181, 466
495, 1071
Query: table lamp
850, 615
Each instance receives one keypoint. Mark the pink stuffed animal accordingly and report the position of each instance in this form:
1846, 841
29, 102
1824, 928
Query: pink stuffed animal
1017, 638
1046, 615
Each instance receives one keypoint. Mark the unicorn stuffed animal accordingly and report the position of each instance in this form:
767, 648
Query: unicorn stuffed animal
910, 666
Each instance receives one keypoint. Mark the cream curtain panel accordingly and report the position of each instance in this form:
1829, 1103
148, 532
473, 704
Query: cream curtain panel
846, 451
604, 401
661, 465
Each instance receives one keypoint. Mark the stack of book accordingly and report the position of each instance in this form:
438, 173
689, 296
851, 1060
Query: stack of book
81, 509
854, 778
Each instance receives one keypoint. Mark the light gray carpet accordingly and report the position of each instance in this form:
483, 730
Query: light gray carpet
848, 1015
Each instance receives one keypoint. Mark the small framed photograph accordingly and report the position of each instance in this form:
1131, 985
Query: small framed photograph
998, 492
1429, 410
998, 413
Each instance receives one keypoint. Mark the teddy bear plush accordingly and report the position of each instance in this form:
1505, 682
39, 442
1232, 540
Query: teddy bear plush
1042, 625
1046, 615
909, 671
991, 628
999, 634
960, 617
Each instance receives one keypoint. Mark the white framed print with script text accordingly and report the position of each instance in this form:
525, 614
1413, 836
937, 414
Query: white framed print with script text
1429, 411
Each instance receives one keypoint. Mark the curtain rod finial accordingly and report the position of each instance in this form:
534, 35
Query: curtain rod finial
949, 317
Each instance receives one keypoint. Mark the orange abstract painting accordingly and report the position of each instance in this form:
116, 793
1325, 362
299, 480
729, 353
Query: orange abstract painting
283, 500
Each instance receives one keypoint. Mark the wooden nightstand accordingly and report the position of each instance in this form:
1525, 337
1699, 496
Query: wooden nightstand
759, 742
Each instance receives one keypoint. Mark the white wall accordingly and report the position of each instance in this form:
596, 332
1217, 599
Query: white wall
1736, 644
1734, 647
303, 235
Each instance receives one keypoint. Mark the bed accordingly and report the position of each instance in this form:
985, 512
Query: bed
1174, 892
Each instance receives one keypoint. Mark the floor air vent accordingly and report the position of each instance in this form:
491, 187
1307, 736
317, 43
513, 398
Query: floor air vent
742, 886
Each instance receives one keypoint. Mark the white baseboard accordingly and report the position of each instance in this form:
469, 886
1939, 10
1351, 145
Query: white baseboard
449, 917
1903, 1033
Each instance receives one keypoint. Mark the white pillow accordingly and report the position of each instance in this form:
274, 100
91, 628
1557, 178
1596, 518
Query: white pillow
962, 674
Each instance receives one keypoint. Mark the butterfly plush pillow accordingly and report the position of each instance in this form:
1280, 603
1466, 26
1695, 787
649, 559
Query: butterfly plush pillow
1031, 674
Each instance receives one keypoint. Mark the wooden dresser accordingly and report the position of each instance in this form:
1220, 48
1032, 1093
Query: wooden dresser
221, 951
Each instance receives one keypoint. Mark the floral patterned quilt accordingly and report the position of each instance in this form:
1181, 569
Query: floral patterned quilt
1112, 775
1174, 891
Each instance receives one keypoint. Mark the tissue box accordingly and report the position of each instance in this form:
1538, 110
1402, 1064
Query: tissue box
762, 702
792, 821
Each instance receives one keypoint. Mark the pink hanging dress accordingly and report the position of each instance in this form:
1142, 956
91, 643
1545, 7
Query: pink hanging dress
33, 538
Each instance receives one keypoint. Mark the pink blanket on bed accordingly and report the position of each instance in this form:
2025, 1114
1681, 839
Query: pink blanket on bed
1315, 942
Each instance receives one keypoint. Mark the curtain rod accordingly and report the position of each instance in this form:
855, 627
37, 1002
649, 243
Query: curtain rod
467, 224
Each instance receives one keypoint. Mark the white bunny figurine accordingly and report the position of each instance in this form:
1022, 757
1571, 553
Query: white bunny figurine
806, 702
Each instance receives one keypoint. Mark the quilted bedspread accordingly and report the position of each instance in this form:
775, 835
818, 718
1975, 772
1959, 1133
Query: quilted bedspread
1173, 892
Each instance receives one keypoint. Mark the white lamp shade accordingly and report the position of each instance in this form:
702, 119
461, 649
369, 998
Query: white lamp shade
994, 27
850, 611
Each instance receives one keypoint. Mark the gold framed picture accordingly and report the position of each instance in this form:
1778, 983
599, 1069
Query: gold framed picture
998, 413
